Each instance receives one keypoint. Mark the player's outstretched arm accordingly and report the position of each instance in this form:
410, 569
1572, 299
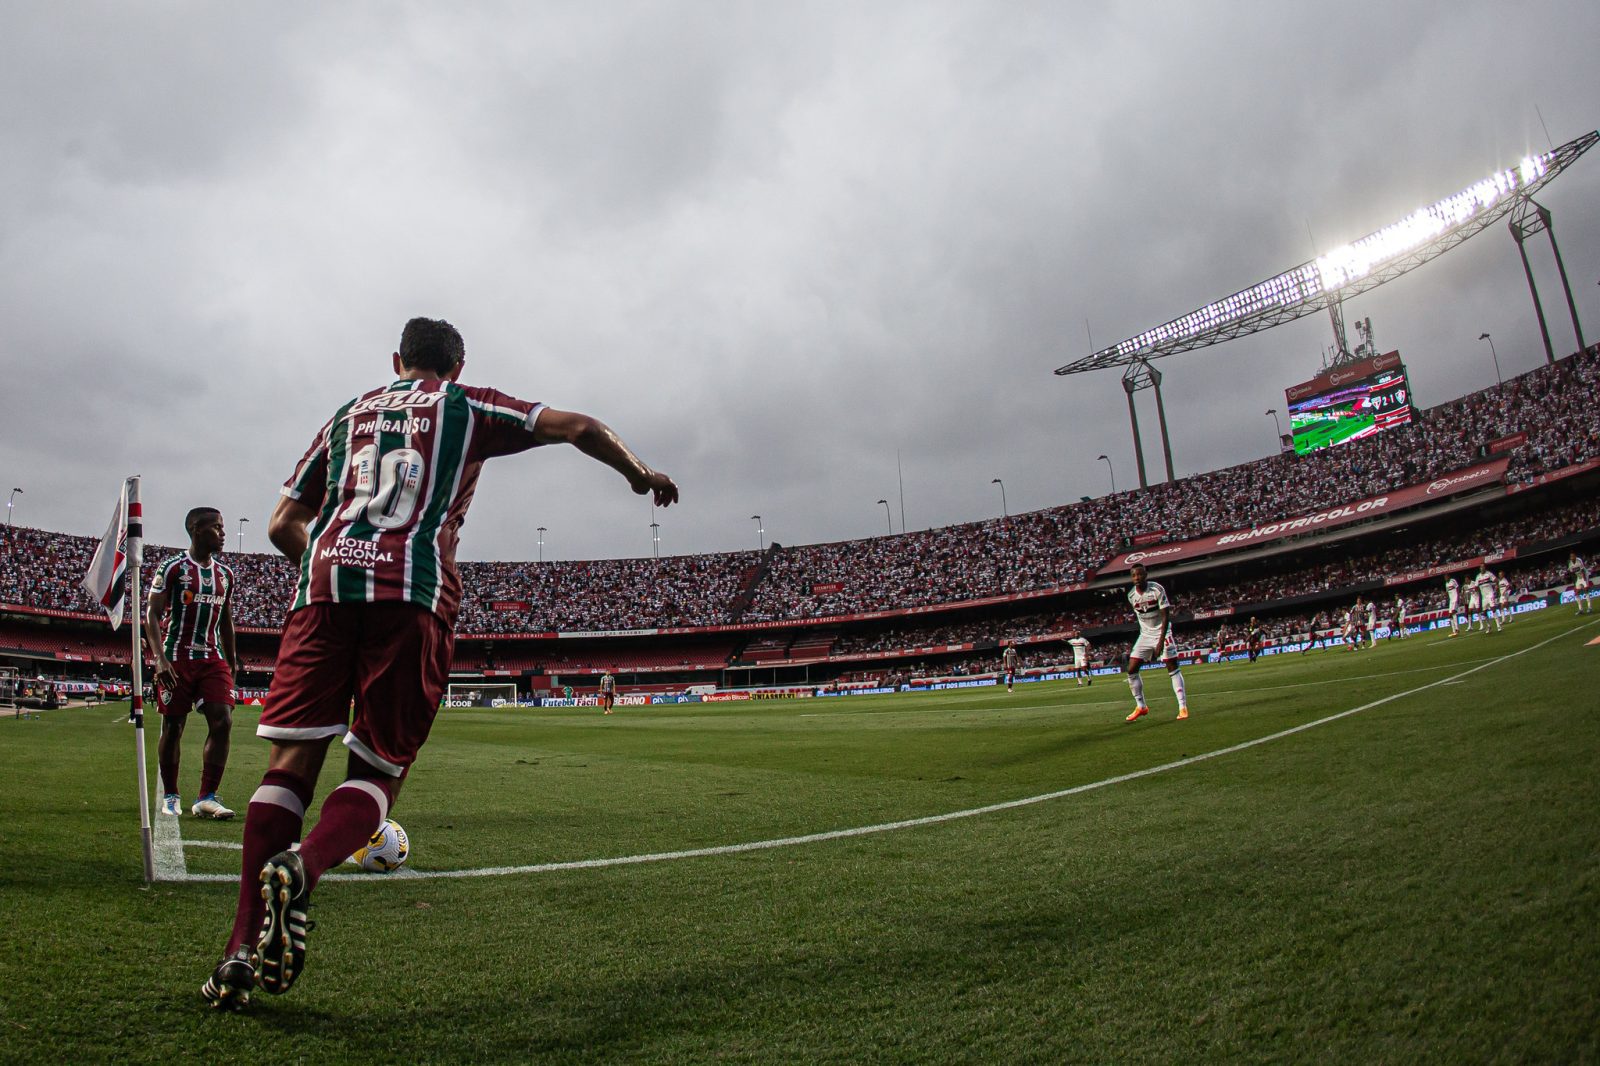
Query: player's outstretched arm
595, 439
287, 527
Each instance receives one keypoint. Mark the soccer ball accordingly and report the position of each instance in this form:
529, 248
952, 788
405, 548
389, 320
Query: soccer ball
386, 852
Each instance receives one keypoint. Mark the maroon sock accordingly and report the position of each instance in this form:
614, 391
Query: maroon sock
211, 777
350, 815
271, 824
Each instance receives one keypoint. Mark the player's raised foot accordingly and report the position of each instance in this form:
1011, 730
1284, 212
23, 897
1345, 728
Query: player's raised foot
172, 804
230, 984
1138, 713
1183, 712
281, 947
208, 806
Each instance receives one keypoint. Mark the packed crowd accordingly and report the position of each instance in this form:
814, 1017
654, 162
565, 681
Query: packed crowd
1026, 553
1552, 405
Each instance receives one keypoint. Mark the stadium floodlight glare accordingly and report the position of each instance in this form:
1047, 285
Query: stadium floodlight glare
1380, 256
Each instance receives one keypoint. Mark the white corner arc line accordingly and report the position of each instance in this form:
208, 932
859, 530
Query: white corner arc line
167, 838
907, 823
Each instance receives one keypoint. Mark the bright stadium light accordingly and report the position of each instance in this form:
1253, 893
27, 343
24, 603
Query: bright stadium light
1372, 260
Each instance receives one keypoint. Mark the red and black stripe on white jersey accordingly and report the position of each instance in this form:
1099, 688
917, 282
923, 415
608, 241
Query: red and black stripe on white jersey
198, 595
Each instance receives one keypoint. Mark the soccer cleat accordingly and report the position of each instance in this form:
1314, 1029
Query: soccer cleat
1183, 712
230, 984
281, 947
172, 804
1138, 713
209, 806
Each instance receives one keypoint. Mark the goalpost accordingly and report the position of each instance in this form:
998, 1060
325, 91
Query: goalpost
480, 694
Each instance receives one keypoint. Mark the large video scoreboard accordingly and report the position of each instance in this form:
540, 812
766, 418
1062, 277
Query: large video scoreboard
1349, 402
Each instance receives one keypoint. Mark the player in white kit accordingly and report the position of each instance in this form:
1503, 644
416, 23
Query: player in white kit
1154, 612
1503, 587
1485, 584
1080, 659
1398, 629
1581, 589
1372, 623
1452, 592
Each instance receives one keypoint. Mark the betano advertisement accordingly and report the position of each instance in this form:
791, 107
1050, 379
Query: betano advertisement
1451, 484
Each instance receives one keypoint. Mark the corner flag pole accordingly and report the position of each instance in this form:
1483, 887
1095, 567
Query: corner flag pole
136, 704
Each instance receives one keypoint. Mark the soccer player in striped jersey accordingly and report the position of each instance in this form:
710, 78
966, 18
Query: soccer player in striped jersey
1154, 612
371, 516
1008, 665
608, 691
195, 659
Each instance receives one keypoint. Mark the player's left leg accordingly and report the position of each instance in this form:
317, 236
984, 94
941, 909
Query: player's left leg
214, 760
169, 751
1175, 675
1136, 686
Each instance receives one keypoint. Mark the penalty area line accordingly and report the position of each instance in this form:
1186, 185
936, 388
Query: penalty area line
906, 823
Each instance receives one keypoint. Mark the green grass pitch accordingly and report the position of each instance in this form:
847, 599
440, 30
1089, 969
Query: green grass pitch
1418, 881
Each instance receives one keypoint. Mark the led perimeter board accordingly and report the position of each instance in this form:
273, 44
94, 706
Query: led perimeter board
1349, 402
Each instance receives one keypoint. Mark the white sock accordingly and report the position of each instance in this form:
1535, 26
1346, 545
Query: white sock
1178, 689
1136, 683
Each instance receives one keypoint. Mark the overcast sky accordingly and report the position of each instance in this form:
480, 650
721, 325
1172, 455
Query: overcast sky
772, 244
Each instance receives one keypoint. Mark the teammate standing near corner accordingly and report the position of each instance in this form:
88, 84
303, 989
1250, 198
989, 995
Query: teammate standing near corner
371, 516
196, 660
1008, 664
1154, 612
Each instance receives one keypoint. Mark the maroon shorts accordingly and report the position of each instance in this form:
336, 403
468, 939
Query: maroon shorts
199, 681
391, 659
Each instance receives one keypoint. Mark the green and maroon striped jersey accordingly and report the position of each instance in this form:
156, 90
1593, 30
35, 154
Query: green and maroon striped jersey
199, 594
390, 477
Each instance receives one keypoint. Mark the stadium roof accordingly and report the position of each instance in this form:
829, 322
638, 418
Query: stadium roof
1381, 256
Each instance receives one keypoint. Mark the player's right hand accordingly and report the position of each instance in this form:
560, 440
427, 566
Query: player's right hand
165, 675
665, 489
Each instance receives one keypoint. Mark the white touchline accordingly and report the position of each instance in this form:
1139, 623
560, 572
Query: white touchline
884, 827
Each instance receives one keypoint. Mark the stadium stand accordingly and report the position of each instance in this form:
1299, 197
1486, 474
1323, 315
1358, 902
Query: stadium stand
839, 608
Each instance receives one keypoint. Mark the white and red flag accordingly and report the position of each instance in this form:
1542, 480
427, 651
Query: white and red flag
107, 579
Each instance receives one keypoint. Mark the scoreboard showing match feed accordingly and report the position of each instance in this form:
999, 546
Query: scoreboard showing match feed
1349, 402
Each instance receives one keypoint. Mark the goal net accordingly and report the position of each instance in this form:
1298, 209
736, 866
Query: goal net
480, 694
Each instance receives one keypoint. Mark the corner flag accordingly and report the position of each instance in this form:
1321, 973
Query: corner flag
113, 580
107, 579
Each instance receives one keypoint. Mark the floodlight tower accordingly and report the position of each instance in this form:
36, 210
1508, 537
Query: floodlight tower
1141, 375
1529, 219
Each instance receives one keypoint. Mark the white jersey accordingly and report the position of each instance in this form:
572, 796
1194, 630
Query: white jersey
1372, 615
1485, 584
1400, 610
1472, 597
1080, 651
1452, 588
1580, 572
1504, 588
1149, 607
